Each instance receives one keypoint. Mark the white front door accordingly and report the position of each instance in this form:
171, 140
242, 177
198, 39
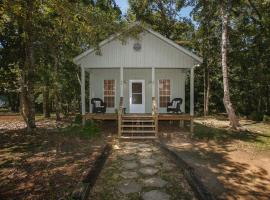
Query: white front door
136, 96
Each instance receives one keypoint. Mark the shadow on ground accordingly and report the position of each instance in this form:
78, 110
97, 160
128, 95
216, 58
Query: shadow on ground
47, 164
228, 170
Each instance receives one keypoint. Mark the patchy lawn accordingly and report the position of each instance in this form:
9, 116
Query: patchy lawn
251, 135
47, 164
232, 165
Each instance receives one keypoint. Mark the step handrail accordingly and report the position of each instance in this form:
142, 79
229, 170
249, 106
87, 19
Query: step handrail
155, 114
120, 114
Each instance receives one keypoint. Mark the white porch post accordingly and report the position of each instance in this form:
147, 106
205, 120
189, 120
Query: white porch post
121, 81
153, 82
90, 92
83, 92
192, 91
191, 99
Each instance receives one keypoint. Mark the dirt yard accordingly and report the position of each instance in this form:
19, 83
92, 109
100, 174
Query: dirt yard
46, 164
233, 165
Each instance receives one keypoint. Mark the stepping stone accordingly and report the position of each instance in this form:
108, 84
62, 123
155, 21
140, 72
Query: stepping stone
130, 151
154, 182
145, 154
128, 157
148, 171
127, 187
130, 147
130, 165
131, 144
116, 147
155, 195
145, 149
168, 166
129, 175
143, 145
148, 161
155, 149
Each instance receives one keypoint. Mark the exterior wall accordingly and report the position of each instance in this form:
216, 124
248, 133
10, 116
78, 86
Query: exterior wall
154, 53
177, 77
97, 83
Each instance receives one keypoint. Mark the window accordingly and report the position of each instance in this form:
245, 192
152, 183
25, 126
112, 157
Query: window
109, 93
164, 92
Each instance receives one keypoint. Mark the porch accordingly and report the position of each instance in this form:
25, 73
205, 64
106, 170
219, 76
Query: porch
181, 118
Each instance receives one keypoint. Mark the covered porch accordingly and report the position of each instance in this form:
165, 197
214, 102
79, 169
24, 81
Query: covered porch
120, 115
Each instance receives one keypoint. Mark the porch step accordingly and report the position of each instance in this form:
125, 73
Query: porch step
138, 131
138, 126
138, 137
138, 120
137, 116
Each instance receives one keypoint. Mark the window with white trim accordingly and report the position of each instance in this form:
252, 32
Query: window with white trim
109, 93
164, 92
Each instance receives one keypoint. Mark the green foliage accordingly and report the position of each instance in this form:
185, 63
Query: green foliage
256, 116
88, 131
78, 119
259, 141
266, 118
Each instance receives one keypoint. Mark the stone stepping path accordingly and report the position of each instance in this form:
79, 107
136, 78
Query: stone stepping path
155, 195
128, 187
128, 157
129, 165
148, 161
154, 182
139, 171
129, 174
148, 171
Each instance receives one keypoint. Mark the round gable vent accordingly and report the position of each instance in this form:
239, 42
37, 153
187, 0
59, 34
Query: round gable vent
137, 46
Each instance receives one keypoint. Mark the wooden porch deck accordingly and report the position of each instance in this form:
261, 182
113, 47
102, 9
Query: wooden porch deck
161, 116
139, 126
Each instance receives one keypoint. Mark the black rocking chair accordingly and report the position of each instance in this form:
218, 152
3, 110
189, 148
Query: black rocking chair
174, 105
98, 105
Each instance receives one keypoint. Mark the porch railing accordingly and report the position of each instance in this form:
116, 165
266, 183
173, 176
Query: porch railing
155, 114
120, 113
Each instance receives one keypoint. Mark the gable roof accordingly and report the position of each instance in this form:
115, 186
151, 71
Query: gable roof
77, 59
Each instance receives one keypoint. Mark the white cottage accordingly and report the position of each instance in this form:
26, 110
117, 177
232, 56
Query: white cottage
138, 76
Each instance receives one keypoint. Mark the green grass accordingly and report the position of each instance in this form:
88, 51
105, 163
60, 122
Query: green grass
90, 130
260, 141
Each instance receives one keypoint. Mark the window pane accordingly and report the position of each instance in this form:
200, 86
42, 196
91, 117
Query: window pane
136, 98
109, 93
109, 101
136, 87
164, 92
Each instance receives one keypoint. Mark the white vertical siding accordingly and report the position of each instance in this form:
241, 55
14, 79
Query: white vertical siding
154, 53
177, 77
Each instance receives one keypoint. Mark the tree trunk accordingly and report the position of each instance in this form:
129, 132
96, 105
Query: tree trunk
56, 92
234, 123
28, 73
206, 89
46, 103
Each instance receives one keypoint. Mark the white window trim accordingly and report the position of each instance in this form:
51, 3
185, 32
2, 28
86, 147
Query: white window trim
164, 108
110, 109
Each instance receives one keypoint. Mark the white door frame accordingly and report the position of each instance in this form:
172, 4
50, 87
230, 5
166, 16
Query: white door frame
137, 108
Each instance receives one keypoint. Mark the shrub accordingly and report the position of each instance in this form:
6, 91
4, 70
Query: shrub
256, 116
266, 118
90, 129
78, 119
